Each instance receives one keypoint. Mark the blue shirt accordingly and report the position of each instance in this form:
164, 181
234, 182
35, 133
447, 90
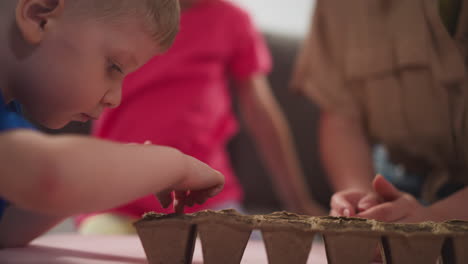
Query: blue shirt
10, 118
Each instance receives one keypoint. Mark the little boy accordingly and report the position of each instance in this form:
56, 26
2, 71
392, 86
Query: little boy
63, 61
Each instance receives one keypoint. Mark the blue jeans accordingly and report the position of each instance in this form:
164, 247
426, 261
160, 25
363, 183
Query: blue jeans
405, 181
396, 174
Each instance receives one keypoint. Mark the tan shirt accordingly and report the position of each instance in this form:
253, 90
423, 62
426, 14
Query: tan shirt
393, 67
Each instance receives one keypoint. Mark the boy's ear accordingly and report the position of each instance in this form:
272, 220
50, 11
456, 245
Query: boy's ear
34, 17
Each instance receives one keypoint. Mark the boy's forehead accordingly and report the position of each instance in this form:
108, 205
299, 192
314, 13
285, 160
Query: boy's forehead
127, 35
132, 44
126, 56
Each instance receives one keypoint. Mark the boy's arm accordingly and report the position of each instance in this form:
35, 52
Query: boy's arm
65, 175
268, 126
18, 227
346, 155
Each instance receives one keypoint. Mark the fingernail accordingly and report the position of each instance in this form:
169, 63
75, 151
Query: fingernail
346, 213
364, 206
215, 192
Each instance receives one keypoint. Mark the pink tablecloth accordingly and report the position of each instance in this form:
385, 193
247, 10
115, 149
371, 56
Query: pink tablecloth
74, 249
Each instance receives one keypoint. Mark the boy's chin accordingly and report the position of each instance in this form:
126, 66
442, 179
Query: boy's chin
45, 120
54, 124
54, 127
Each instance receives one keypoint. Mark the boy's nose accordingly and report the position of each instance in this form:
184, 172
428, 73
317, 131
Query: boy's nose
112, 98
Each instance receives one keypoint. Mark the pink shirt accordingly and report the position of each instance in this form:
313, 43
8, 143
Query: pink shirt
182, 99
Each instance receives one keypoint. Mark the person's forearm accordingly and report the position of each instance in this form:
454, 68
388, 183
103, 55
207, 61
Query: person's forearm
19, 227
451, 207
272, 136
66, 174
346, 153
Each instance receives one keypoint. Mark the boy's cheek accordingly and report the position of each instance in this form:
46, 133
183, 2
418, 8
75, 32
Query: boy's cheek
46, 117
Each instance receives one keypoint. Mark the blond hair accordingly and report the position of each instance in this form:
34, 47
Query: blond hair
160, 17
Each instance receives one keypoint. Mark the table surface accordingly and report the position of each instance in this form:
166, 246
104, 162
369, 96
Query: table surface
73, 249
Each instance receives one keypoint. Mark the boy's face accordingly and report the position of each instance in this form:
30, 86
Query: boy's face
76, 69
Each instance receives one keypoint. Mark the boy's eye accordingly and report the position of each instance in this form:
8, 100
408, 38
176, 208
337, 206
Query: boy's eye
115, 67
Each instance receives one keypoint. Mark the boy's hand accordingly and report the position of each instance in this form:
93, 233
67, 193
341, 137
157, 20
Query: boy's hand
180, 199
350, 202
397, 206
200, 183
